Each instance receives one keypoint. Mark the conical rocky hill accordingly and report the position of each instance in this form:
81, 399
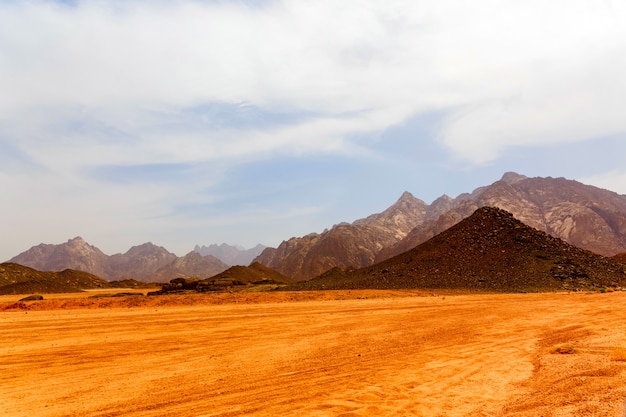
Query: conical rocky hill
488, 251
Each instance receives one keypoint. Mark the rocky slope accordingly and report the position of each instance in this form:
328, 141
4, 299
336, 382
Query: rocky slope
231, 255
345, 244
147, 262
620, 257
585, 216
19, 279
488, 251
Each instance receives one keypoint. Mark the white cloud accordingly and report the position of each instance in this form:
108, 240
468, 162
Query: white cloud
518, 72
568, 101
112, 83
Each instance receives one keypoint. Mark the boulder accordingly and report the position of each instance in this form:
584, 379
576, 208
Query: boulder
34, 297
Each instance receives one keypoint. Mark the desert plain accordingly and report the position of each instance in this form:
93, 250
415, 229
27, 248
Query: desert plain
331, 353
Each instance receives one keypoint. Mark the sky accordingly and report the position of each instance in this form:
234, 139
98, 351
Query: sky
184, 122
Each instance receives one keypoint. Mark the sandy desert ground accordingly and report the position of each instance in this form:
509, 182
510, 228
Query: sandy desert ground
336, 354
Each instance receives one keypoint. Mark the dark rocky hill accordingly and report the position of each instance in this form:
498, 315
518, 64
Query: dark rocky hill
18, 279
488, 251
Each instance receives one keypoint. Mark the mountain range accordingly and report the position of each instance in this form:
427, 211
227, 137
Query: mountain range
146, 262
582, 215
488, 251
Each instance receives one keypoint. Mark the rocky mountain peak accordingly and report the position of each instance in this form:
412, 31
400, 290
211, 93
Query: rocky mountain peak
512, 177
407, 196
78, 243
408, 200
438, 207
443, 199
146, 248
406, 208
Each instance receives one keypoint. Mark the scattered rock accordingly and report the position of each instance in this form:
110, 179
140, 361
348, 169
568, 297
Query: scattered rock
235, 278
34, 297
119, 294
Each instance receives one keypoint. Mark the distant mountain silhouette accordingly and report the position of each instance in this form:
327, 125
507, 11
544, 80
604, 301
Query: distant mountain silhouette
147, 262
231, 255
191, 265
488, 251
